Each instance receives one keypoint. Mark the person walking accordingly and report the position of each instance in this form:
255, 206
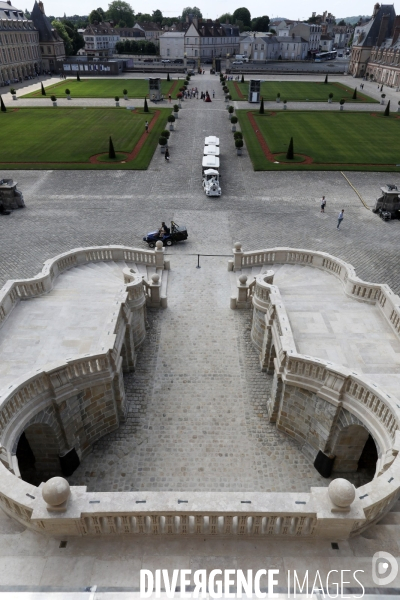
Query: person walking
169, 98
213, 94
340, 218
323, 204
146, 126
166, 155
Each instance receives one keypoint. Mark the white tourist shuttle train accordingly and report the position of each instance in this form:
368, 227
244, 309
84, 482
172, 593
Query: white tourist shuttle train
210, 166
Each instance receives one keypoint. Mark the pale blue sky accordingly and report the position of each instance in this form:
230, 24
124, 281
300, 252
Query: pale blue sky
210, 9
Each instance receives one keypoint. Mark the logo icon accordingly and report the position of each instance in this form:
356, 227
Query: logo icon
384, 568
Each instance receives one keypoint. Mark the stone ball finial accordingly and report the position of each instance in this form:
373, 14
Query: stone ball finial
155, 278
243, 279
237, 246
159, 245
341, 492
56, 491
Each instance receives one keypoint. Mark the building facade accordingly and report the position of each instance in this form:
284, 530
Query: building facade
100, 40
172, 45
309, 32
369, 36
19, 45
209, 39
384, 63
52, 46
152, 31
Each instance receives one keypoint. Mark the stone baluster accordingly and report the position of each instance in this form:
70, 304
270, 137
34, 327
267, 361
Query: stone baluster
155, 290
159, 254
237, 256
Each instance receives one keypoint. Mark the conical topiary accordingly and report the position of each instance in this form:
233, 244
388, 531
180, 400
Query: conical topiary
386, 113
43, 90
326, 79
145, 108
77, 77
168, 77
355, 94
111, 151
242, 78
262, 106
290, 153
3, 106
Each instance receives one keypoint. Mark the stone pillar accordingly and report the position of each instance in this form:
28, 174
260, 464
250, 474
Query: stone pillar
159, 252
237, 256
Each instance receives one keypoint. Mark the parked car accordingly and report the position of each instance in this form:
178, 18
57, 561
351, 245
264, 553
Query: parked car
178, 61
237, 62
191, 61
148, 60
207, 61
178, 233
165, 60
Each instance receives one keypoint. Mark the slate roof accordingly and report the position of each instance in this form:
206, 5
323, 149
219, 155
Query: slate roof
47, 33
368, 34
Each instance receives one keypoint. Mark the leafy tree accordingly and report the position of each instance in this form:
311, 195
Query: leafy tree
272, 30
118, 10
60, 27
196, 12
290, 152
77, 39
135, 47
27, 14
341, 23
260, 23
143, 18
312, 20
242, 14
226, 17
157, 16
95, 16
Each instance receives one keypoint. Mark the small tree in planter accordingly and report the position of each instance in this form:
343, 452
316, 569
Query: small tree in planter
13, 93
43, 90
330, 96
171, 121
234, 120
290, 152
239, 146
67, 91
261, 111
163, 143
145, 107
238, 135
180, 98
230, 111
176, 111
54, 100
341, 104
111, 151
387, 110
165, 133
125, 93
278, 97
116, 100
285, 105
354, 97
228, 98
383, 96
182, 89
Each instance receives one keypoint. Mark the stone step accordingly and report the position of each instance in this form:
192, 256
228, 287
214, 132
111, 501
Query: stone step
392, 518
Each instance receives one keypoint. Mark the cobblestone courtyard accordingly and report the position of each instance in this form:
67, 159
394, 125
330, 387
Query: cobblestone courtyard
179, 436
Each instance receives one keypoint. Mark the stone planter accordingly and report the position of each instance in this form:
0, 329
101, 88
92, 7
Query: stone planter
68, 97
179, 104
329, 100
398, 110
239, 151
171, 127
117, 104
126, 98
54, 103
341, 106
14, 97
382, 101
175, 115
278, 99
162, 148
285, 107
233, 128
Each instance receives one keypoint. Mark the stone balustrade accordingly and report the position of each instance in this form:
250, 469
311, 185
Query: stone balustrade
310, 395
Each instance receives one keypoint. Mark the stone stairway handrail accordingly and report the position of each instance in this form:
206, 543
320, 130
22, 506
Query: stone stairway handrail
19, 289
354, 287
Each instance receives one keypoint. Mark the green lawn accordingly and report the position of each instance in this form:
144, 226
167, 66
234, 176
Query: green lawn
67, 138
300, 91
341, 140
101, 88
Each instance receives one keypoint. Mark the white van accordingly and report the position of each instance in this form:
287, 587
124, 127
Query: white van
241, 57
